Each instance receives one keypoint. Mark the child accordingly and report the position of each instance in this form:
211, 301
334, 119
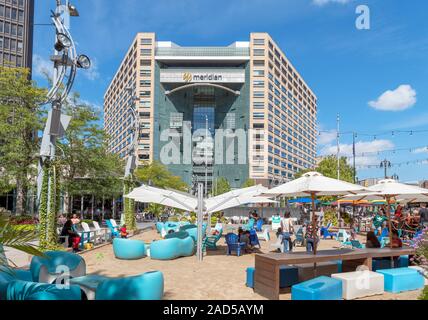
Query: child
123, 232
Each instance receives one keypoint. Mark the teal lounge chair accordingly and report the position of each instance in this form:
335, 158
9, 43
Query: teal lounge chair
210, 242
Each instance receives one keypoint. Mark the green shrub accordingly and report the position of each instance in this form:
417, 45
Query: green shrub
25, 227
331, 216
22, 220
424, 295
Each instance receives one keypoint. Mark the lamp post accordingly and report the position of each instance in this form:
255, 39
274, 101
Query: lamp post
385, 164
66, 62
206, 155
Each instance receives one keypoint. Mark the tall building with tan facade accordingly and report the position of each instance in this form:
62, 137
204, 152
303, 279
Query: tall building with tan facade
240, 112
16, 32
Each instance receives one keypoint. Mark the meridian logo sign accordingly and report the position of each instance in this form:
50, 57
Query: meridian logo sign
188, 77
202, 75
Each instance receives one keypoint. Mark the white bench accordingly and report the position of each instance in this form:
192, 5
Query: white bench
360, 284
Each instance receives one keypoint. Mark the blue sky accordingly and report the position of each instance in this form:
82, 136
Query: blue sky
376, 79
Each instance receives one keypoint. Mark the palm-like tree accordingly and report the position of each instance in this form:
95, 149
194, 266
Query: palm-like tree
19, 239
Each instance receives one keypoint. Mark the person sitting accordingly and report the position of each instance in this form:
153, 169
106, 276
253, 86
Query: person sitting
372, 241
73, 236
75, 219
396, 241
244, 237
215, 232
123, 232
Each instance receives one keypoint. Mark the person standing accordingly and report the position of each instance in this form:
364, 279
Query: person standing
423, 214
312, 235
287, 230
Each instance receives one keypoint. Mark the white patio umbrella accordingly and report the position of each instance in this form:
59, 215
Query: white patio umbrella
389, 189
169, 198
315, 184
242, 200
236, 198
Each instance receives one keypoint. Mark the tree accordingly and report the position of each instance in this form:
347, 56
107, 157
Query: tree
20, 119
158, 175
222, 186
87, 167
328, 168
249, 183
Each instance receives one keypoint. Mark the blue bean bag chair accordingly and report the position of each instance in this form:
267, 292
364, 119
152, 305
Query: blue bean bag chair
173, 248
48, 268
126, 249
171, 226
159, 226
24, 290
148, 286
8, 275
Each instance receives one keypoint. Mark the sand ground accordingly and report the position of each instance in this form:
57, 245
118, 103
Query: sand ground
218, 277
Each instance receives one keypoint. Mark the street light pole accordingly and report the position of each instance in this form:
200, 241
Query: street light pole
66, 62
385, 164
206, 156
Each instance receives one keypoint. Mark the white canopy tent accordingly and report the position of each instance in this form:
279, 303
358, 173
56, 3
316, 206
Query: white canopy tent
183, 201
315, 184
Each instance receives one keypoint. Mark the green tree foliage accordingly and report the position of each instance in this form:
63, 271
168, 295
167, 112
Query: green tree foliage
87, 168
159, 176
20, 120
328, 167
249, 183
222, 186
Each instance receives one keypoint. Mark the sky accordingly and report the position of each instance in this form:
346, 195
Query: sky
376, 79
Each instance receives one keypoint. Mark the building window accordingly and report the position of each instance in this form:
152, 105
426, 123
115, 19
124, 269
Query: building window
146, 52
258, 115
146, 41
259, 52
259, 105
259, 94
259, 73
259, 42
176, 120
259, 83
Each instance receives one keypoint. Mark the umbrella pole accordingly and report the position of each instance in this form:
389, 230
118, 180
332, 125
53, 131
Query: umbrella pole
388, 213
313, 219
200, 215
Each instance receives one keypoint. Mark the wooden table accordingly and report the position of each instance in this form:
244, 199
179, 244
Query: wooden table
266, 279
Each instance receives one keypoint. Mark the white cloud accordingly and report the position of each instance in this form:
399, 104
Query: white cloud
400, 99
421, 150
366, 151
42, 67
327, 137
324, 2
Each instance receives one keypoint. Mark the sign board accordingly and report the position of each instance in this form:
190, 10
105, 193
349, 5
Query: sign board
202, 76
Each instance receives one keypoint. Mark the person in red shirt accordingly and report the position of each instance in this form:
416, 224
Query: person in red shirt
399, 213
123, 232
